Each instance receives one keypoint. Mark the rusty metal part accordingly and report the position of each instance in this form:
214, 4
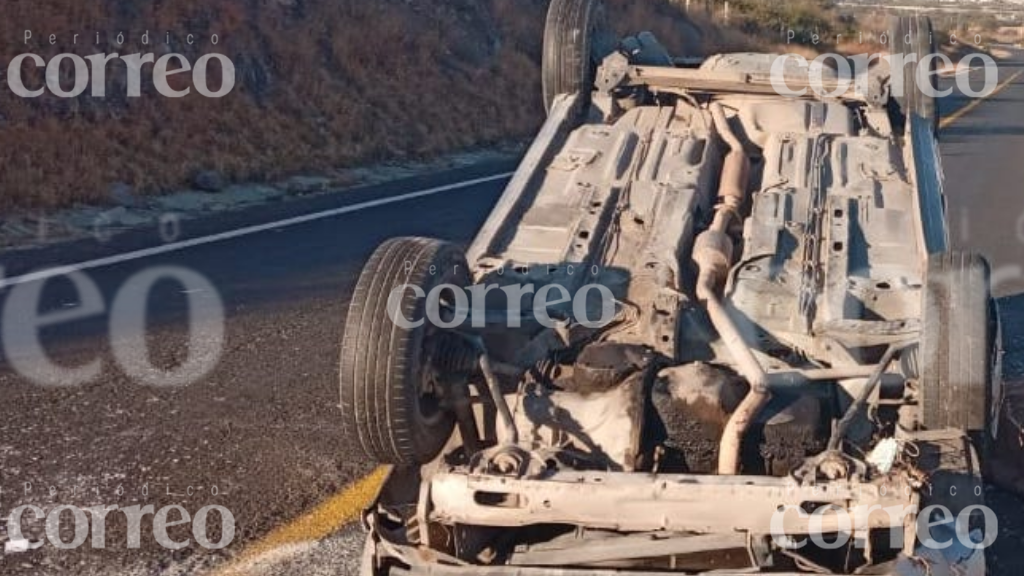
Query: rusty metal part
691, 405
601, 428
646, 503
511, 433
904, 566
713, 256
462, 405
633, 547
505, 460
811, 376
732, 190
728, 82
758, 397
858, 404
603, 366
811, 266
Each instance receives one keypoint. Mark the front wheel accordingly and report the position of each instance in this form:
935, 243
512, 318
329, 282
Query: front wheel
392, 391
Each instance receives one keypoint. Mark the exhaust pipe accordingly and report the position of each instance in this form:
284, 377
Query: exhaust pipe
713, 254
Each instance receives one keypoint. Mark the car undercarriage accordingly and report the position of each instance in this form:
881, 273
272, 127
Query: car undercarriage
793, 365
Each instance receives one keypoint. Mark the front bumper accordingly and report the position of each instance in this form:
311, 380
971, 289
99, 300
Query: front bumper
649, 503
517, 571
928, 563
642, 503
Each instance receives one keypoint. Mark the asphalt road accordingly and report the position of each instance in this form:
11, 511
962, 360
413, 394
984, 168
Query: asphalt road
260, 430
982, 155
259, 435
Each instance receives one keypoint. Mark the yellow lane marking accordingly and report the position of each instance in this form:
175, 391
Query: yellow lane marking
318, 523
949, 120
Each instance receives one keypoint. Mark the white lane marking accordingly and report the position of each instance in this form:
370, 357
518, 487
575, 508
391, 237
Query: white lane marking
176, 246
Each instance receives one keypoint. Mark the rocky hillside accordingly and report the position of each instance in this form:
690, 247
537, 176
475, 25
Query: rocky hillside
320, 84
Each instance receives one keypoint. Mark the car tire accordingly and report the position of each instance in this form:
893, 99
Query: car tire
913, 101
576, 39
391, 403
958, 349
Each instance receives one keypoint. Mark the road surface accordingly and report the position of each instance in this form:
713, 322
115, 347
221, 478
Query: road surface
260, 435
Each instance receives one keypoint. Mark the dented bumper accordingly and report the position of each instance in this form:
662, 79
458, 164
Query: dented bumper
929, 563
643, 503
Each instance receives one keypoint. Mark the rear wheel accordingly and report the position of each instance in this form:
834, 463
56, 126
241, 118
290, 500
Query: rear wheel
576, 39
958, 352
392, 391
912, 36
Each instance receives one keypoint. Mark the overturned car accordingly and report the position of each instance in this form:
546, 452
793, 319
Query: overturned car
789, 372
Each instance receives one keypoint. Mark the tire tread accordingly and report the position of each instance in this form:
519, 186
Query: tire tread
379, 365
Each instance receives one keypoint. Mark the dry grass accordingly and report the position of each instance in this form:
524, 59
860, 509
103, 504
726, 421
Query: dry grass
321, 84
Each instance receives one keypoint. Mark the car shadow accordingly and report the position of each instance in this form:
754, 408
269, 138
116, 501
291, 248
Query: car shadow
1006, 496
